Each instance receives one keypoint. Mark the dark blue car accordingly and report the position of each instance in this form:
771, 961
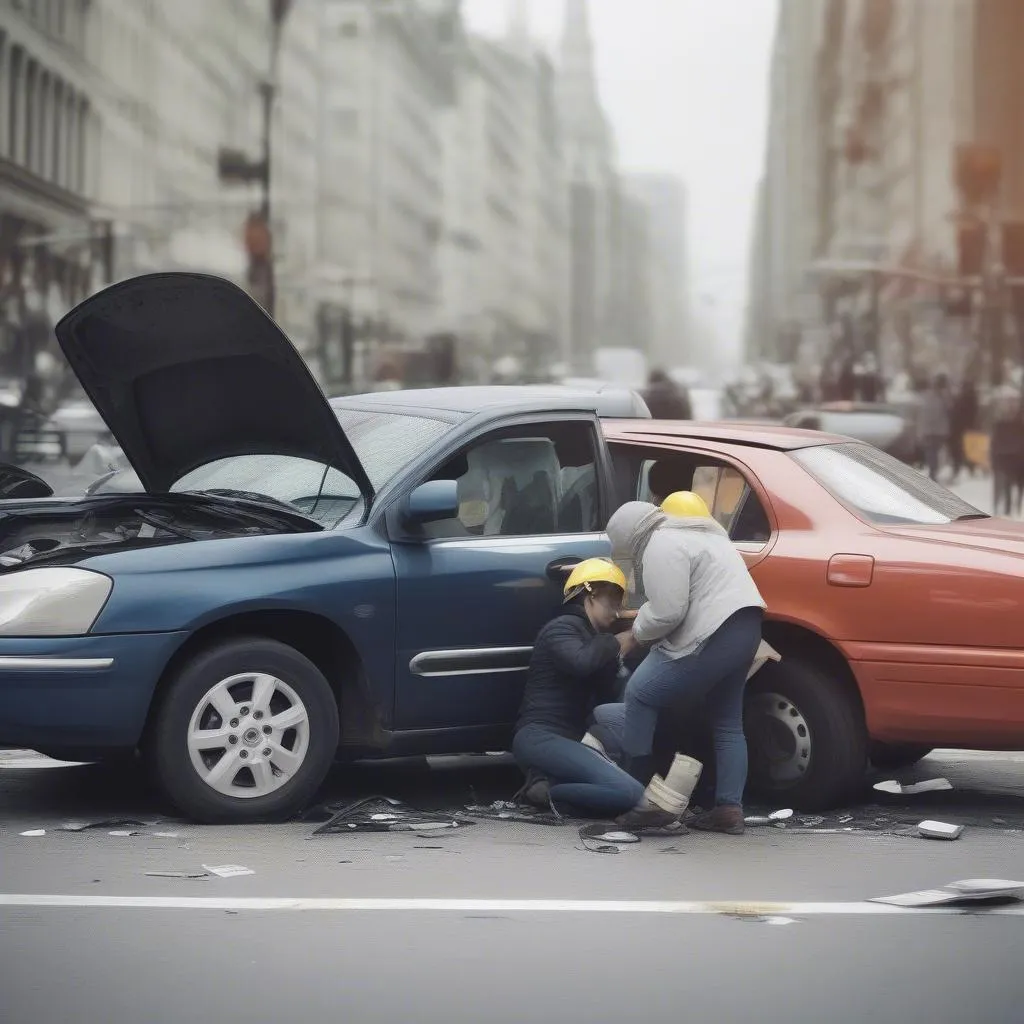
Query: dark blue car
283, 581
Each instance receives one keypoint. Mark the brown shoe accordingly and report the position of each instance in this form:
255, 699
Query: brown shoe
647, 819
728, 819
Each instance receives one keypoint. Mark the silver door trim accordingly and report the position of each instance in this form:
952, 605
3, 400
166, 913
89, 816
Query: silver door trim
420, 664
40, 663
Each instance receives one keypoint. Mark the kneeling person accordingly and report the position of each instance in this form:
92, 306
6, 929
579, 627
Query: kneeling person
574, 667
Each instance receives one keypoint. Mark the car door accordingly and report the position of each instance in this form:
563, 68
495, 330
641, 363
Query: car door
474, 590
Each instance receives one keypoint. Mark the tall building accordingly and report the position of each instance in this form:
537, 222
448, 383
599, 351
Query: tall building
590, 169
382, 164
177, 87
866, 108
51, 252
663, 200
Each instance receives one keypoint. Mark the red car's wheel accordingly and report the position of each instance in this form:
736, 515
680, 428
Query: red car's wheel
806, 737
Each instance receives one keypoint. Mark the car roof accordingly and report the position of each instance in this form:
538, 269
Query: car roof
463, 402
754, 435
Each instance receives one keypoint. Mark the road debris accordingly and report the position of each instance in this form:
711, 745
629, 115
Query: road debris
771, 819
967, 891
116, 823
177, 874
939, 830
895, 788
599, 838
385, 814
34, 832
228, 870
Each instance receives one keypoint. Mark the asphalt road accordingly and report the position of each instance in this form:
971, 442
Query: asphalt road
398, 927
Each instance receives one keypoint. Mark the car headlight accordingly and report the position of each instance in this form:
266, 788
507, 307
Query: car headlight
56, 601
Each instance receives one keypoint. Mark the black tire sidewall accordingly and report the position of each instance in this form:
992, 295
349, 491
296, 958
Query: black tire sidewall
168, 750
839, 744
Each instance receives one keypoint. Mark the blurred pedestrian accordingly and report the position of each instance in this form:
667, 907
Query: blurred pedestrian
963, 419
935, 423
665, 399
1006, 451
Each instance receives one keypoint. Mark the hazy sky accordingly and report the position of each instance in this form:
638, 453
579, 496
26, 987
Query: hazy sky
685, 83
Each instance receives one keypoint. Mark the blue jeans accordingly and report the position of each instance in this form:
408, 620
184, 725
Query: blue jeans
717, 673
577, 774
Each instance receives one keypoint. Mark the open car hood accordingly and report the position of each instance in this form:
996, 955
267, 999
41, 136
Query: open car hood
186, 369
16, 482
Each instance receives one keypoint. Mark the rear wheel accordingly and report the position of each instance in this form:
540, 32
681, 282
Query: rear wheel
247, 732
897, 755
806, 736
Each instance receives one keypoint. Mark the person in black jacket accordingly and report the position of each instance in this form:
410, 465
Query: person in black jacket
575, 667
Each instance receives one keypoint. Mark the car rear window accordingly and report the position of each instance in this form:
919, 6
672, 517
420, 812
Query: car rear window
882, 489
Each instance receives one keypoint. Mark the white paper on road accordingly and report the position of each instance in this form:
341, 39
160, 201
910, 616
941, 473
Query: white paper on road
35, 832
228, 870
967, 890
913, 789
939, 830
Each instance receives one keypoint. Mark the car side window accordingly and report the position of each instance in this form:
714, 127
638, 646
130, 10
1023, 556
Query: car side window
524, 482
732, 501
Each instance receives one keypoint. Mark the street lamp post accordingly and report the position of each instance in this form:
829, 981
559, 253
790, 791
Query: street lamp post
235, 167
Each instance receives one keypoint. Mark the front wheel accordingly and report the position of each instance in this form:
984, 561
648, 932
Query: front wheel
806, 737
246, 732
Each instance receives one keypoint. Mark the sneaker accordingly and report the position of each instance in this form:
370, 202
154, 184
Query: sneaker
727, 819
646, 819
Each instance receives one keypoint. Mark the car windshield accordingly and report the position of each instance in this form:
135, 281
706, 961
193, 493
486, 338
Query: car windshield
386, 442
882, 489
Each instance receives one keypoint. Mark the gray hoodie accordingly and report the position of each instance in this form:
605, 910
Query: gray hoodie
691, 576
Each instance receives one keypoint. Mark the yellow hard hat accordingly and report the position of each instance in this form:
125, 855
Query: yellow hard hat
685, 504
593, 570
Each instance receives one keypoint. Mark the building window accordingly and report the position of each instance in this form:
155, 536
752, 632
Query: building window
56, 136
349, 30
14, 108
32, 105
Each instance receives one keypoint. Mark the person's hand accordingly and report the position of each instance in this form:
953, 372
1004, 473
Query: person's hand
627, 642
628, 614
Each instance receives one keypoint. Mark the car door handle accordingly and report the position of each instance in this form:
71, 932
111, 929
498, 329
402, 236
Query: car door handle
561, 567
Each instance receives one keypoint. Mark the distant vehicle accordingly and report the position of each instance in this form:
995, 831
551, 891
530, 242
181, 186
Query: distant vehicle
79, 426
889, 427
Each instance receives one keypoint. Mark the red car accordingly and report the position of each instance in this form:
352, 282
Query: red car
895, 605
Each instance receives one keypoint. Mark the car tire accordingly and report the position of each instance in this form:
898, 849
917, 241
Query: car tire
183, 751
806, 737
897, 755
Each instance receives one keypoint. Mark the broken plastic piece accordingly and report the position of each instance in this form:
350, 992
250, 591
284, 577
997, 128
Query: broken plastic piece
970, 890
177, 874
385, 814
228, 870
108, 823
914, 788
783, 815
939, 830
35, 832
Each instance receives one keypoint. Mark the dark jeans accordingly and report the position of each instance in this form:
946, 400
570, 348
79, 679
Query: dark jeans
578, 775
717, 673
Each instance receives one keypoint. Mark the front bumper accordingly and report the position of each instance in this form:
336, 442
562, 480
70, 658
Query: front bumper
88, 692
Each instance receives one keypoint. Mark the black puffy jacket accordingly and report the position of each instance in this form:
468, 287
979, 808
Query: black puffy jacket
573, 669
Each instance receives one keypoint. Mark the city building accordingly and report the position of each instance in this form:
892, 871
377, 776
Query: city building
51, 252
592, 181
382, 170
662, 201
177, 88
868, 101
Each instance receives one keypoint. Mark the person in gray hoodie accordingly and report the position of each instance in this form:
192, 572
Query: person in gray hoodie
702, 620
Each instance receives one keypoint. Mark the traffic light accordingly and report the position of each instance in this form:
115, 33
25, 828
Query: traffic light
1013, 248
972, 243
978, 171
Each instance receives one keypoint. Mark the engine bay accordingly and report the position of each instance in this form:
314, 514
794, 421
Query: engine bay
56, 533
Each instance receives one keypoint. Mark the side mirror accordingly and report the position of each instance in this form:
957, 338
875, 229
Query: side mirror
432, 502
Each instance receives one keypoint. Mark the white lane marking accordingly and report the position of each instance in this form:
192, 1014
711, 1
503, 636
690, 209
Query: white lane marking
527, 906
